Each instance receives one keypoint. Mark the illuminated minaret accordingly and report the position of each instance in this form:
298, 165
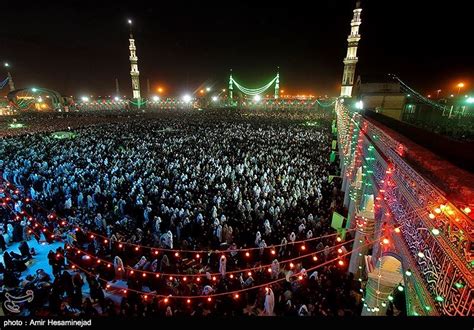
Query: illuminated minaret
277, 84
351, 59
11, 84
231, 87
134, 73
117, 88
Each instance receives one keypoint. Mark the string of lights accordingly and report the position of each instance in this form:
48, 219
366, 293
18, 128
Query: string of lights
325, 105
235, 293
253, 91
420, 97
311, 255
228, 251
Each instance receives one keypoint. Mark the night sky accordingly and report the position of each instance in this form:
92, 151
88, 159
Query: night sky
79, 47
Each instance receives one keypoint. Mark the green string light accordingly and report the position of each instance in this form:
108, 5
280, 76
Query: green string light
253, 91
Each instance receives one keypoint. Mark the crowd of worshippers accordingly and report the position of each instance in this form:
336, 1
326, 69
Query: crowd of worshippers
202, 182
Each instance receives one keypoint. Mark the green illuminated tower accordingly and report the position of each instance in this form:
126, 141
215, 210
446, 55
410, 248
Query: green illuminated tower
277, 84
231, 87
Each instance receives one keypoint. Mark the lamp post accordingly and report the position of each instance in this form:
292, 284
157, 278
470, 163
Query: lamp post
437, 93
459, 86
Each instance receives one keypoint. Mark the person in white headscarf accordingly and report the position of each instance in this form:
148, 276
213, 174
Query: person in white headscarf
140, 263
157, 224
303, 272
258, 238
154, 265
275, 269
292, 237
268, 229
167, 239
269, 304
303, 311
119, 269
309, 234
262, 247
223, 219
301, 227
169, 312
222, 265
283, 244
314, 275
207, 290
219, 233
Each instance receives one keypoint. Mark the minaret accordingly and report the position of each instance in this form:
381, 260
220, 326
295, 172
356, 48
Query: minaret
117, 88
351, 59
231, 87
277, 84
11, 84
134, 73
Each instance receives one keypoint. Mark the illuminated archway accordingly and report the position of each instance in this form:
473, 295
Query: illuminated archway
36, 99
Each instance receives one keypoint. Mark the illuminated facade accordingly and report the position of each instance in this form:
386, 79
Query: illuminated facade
425, 249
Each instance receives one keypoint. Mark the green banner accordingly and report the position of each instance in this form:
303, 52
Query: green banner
337, 221
334, 144
332, 157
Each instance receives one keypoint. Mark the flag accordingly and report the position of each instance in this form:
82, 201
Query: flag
332, 157
334, 144
337, 221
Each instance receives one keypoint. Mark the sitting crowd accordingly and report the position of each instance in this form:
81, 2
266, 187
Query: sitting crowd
204, 182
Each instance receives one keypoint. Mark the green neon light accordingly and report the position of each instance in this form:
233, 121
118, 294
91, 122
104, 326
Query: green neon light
253, 91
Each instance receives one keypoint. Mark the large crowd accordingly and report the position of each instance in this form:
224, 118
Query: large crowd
203, 181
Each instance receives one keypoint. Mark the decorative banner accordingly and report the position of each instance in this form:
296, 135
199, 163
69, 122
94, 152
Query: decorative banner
338, 221
332, 157
334, 127
334, 144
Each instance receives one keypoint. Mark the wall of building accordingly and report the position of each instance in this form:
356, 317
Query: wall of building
389, 105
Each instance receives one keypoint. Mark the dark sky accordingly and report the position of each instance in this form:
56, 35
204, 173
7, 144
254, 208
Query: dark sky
80, 47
